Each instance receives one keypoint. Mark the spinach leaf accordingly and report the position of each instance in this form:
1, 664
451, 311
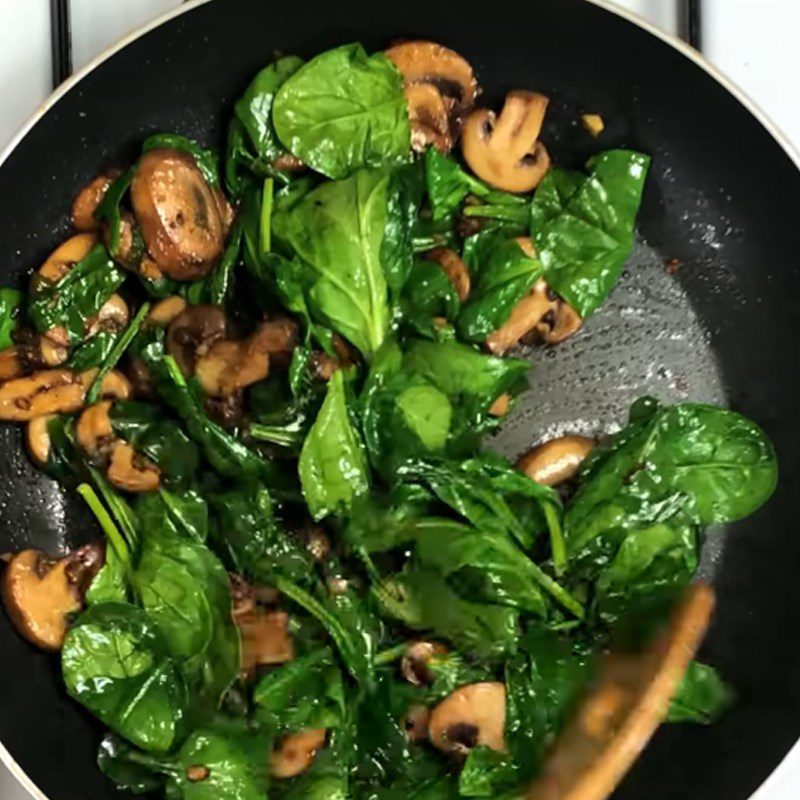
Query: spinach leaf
487, 773
428, 300
185, 591
10, 301
235, 766
255, 544
253, 112
702, 696
344, 110
75, 297
305, 693
108, 210
129, 769
347, 620
206, 160
160, 439
337, 232
183, 513
327, 778
403, 415
93, 351
448, 185
332, 466
583, 229
215, 289
502, 274
423, 600
116, 663
710, 464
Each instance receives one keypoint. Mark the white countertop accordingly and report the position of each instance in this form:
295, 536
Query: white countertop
753, 41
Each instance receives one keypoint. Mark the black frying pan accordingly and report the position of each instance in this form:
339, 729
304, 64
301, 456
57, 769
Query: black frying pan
723, 199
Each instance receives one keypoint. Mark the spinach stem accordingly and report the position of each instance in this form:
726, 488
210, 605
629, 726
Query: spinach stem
284, 435
507, 213
557, 592
558, 547
114, 355
106, 523
265, 225
119, 508
389, 655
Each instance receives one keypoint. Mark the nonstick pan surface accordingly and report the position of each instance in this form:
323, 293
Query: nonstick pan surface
723, 201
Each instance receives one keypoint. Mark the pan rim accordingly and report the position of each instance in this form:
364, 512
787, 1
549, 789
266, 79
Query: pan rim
775, 131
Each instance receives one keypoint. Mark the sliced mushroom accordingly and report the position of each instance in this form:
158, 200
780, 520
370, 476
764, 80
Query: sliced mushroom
556, 461
40, 592
416, 723
86, 203
295, 753
526, 245
165, 311
288, 162
183, 220
111, 318
428, 62
471, 716
525, 315
54, 391
131, 471
37, 437
65, 256
560, 324
504, 150
414, 664
36, 353
230, 366
454, 268
243, 597
94, 432
265, 639
428, 114
626, 704
193, 332
325, 365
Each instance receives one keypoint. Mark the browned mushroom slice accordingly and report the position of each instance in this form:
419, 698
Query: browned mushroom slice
558, 325
38, 352
115, 385
265, 639
288, 162
428, 114
556, 461
40, 593
193, 332
111, 318
131, 471
415, 661
499, 408
428, 62
524, 316
623, 709
454, 268
416, 722
165, 311
86, 202
230, 366
182, 219
65, 256
504, 150
472, 716
295, 753
37, 437
47, 392
129, 248
93, 431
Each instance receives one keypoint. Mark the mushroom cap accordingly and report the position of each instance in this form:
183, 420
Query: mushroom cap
87, 200
429, 62
429, 116
93, 431
131, 471
166, 310
65, 256
414, 664
40, 593
525, 315
557, 460
295, 753
193, 332
504, 150
265, 639
471, 716
37, 438
183, 220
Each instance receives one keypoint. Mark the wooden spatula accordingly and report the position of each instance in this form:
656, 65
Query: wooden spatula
627, 703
